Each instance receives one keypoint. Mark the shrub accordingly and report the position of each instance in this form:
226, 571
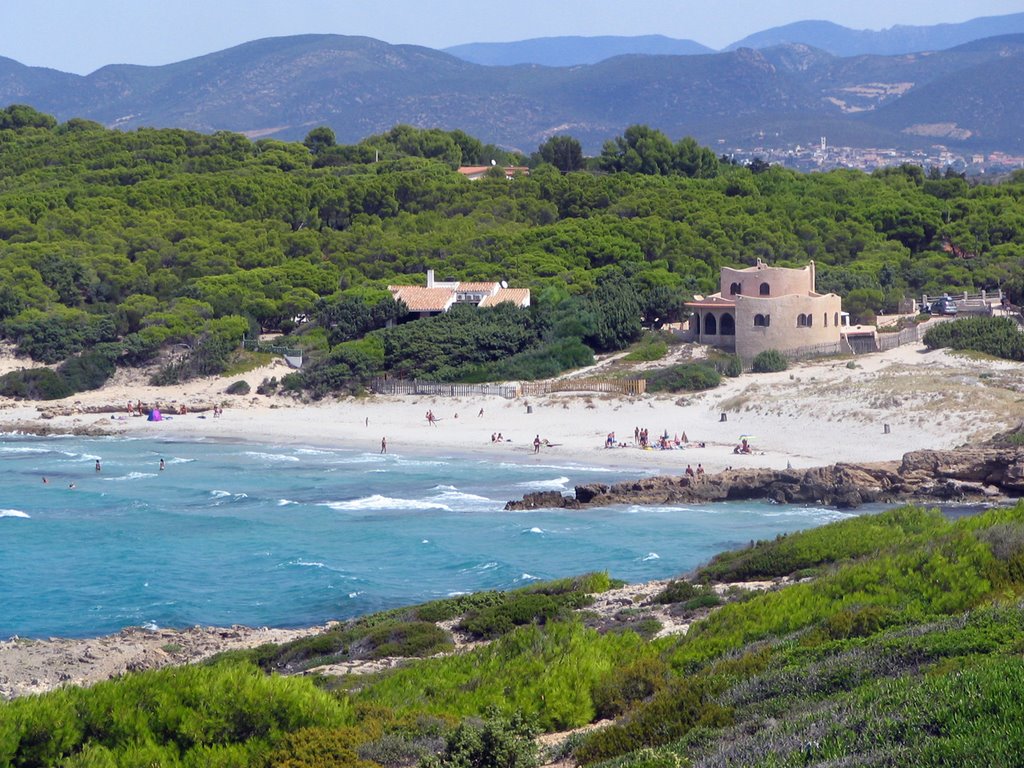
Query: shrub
498, 742
89, 370
319, 748
639, 681
675, 591
997, 336
240, 387
669, 715
649, 349
413, 638
770, 361
728, 365
545, 361
267, 386
688, 377
34, 384
515, 611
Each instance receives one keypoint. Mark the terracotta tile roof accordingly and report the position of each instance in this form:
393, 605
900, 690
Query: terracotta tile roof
419, 299
518, 296
478, 287
480, 170
714, 300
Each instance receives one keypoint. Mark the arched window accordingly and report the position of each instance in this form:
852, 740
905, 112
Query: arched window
835, 319
810, 320
728, 325
801, 320
735, 288
710, 325
760, 321
826, 319
766, 289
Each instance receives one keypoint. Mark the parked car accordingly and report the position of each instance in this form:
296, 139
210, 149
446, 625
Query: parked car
943, 306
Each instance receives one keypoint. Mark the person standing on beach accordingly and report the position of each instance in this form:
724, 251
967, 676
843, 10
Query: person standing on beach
384, 445
536, 444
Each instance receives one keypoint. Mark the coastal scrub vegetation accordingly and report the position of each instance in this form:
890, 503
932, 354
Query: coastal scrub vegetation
769, 361
157, 240
898, 643
996, 336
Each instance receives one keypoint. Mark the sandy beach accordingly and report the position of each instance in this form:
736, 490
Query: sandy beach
814, 414
871, 408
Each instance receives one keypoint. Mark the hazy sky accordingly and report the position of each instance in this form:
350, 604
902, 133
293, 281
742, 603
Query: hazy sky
83, 35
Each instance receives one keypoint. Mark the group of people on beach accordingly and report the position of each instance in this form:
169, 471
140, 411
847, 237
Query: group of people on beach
642, 439
138, 409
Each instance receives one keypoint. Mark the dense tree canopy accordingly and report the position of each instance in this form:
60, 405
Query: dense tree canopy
151, 236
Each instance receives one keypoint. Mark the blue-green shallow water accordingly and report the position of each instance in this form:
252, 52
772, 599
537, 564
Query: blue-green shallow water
287, 536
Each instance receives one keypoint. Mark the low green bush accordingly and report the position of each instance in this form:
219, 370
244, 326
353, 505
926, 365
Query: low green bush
34, 384
515, 611
90, 369
625, 686
240, 387
727, 365
225, 715
545, 361
676, 591
788, 554
769, 361
411, 638
647, 351
497, 742
688, 377
996, 336
684, 704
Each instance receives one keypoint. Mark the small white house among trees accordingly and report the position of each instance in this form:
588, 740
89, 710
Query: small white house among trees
440, 296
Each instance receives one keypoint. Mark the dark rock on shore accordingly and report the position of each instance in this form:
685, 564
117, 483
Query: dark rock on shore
963, 474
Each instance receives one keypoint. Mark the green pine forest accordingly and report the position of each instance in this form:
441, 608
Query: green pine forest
897, 643
118, 246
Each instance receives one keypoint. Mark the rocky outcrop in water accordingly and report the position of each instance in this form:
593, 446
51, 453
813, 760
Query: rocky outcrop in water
964, 474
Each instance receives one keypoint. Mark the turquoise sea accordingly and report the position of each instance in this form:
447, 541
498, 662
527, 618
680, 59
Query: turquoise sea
284, 535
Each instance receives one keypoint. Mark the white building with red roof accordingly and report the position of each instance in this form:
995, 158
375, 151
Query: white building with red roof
439, 295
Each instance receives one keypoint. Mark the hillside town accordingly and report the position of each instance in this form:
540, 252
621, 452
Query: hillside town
826, 157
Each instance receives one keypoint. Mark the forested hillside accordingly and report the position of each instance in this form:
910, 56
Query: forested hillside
125, 242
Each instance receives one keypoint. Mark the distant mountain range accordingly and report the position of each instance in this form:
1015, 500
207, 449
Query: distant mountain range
967, 97
570, 51
829, 37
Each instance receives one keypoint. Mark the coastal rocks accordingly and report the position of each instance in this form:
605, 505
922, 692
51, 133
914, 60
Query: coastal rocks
982, 473
1002, 468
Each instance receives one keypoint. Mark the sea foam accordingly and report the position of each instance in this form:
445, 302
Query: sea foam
377, 501
554, 484
13, 513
